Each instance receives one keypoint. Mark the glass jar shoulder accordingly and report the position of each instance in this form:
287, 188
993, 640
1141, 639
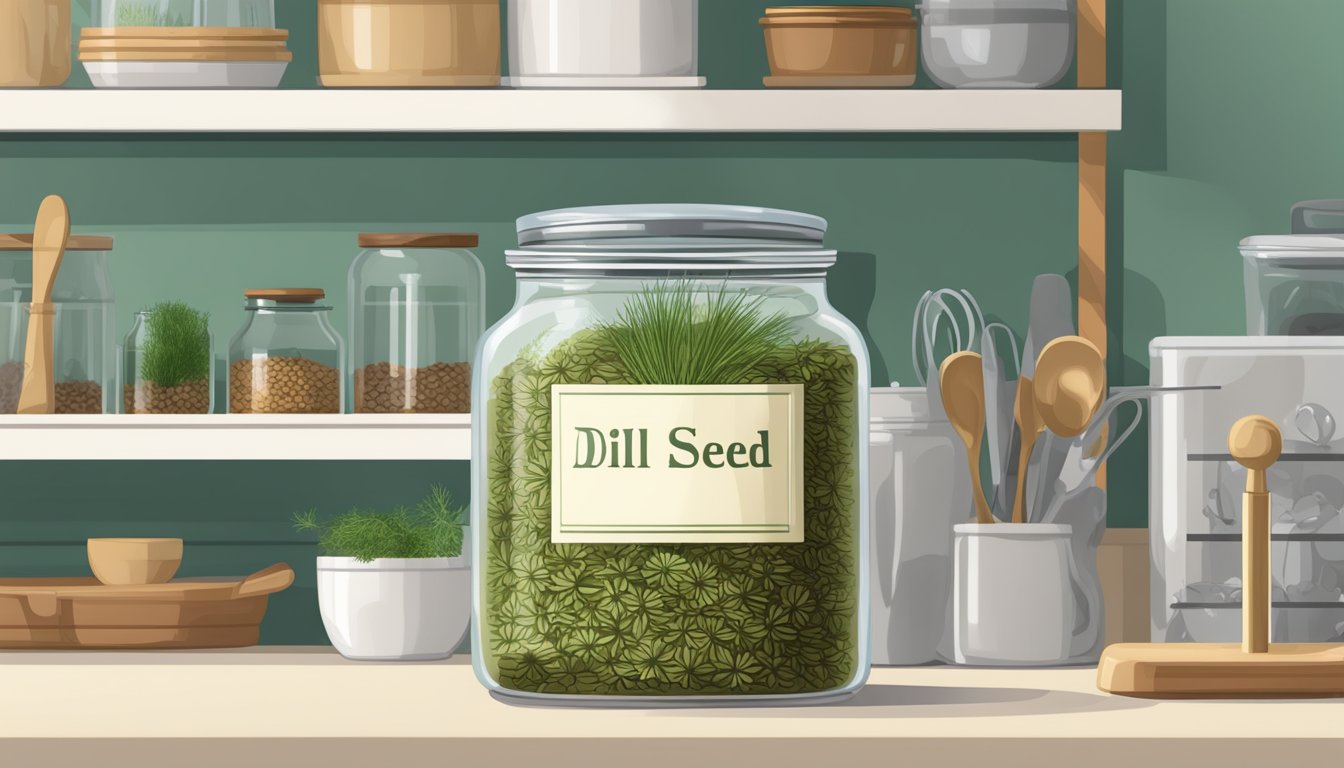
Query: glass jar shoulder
547, 313
428, 266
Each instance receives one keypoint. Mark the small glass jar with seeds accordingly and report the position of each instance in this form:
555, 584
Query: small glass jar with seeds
416, 313
669, 490
84, 350
287, 357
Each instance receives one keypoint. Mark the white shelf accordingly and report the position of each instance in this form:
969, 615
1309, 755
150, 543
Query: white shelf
503, 110
236, 437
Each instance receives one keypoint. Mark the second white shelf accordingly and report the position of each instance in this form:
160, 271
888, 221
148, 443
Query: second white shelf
574, 111
221, 437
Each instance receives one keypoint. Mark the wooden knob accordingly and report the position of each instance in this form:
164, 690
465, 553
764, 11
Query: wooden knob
1255, 442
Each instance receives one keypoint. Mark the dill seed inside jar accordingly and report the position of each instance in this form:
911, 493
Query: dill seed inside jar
711, 426
286, 358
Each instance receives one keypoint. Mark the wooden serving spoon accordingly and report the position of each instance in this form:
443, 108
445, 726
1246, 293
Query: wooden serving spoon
1070, 385
1030, 425
49, 238
962, 381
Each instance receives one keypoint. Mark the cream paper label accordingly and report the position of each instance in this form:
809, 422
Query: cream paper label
677, 464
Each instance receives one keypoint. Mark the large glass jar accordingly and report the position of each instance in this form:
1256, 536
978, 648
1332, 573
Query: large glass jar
669, 486
85, 371
168, 362
416, 313
287, 357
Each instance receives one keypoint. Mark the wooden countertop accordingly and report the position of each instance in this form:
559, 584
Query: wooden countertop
308, 706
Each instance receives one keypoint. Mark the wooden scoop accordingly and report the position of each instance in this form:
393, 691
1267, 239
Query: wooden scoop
962, 382
49, 237
1070, 385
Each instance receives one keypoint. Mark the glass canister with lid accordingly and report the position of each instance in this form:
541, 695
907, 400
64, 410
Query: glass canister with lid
669, 491
287, 357
416, 312
84, 361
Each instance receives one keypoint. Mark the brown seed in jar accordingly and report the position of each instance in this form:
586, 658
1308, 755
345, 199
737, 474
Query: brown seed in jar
436, 388
283, 385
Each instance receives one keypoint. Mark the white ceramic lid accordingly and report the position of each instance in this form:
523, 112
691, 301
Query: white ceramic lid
1294, 247
904, 404
954, 6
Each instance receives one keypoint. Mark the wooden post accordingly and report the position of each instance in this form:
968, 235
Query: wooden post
1092, 188
1092, 181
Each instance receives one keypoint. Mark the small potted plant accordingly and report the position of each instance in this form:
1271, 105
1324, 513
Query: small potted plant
168, 361
394, 586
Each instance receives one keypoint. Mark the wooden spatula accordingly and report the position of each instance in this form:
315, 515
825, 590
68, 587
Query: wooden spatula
49, 237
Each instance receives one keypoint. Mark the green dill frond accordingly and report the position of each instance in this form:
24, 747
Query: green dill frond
177, 345
672, 333
434, 528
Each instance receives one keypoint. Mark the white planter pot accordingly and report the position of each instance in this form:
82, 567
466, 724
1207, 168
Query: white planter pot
395, 610
602, 39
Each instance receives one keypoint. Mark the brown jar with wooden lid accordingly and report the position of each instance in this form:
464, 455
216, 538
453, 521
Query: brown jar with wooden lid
287, 357
416, 313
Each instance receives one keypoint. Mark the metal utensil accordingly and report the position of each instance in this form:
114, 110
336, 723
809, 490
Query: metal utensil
1050, 316
1316, 423
1080, 469
956, 311
1000, 394
962, 384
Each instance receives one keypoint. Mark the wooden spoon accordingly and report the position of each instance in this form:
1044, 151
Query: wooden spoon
1030, 425
1070, 385
49, 237
961, 379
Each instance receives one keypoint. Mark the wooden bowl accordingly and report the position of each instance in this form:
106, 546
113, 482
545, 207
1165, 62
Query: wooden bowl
126, 562
839, 43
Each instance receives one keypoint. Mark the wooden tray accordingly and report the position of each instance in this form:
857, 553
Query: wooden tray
186, 613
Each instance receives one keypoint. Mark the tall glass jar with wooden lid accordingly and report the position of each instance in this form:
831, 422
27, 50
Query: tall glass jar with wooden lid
416, 313
287, 357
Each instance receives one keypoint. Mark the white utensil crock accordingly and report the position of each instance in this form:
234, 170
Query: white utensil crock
1013, 597
395, 609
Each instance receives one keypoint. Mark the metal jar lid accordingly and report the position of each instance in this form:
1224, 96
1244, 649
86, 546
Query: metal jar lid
599, 224
662, 237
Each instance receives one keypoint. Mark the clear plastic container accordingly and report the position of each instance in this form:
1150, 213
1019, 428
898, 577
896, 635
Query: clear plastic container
85, 371
416, 312
186, 13
671, 504
168, 363
998, 43
287, 357
1294, 285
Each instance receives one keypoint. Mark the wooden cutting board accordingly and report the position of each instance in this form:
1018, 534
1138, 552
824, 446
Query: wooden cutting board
186, 613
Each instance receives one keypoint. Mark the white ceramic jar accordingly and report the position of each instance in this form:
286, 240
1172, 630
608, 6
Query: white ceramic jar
1014, 604
411, 609
604, 43
920, 488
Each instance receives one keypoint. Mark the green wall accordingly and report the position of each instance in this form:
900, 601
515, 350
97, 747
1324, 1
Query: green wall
1230, 112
